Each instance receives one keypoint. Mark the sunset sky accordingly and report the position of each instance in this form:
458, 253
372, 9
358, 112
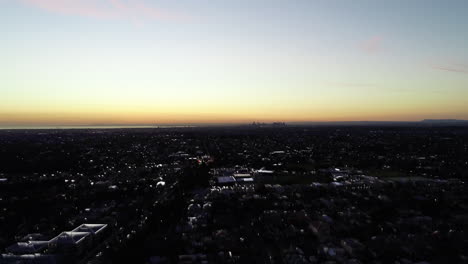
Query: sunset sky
76, 62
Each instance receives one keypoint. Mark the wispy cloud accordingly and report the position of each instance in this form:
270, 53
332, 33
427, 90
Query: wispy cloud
372, 45
452, 67
135, 10
351, 84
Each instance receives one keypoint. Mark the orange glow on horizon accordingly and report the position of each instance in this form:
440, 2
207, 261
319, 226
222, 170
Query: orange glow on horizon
141, 118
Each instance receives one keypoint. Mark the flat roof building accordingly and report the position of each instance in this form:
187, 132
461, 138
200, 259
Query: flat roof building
226, 180
68, 243
91, 228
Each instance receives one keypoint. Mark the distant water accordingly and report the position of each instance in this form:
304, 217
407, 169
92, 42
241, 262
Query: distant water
91, 127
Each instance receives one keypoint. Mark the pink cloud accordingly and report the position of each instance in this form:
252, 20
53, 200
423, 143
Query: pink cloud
454, 67
372, 45
107, 9
351, 84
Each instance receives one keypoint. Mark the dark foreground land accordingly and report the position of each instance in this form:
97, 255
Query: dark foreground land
252, 194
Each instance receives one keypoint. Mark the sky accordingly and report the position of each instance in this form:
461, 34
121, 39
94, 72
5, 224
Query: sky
79, 62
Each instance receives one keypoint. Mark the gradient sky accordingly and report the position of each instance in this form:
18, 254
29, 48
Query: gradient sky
166, 61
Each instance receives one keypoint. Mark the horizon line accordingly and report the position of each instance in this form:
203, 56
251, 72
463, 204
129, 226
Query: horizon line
208, 124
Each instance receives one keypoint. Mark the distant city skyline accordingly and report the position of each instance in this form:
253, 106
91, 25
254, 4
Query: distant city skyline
82, 62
